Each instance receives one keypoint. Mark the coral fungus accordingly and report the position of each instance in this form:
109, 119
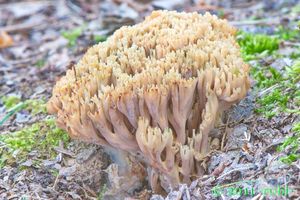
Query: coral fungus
155, 89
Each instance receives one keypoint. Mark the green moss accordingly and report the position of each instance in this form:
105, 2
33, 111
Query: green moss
42, 136
54, 135
36, 106
265, 77
284, 96
252, 44
291, 144
10, 101
272, 103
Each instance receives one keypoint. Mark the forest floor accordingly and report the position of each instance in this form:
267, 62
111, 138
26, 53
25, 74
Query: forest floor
258, 158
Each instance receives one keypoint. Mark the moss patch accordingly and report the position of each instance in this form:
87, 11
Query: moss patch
10, 101
42, 137
291, 146
279, 90
252, 44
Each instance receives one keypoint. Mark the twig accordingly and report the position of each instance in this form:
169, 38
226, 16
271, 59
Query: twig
87, 196
234, 170
225, 134
21, 27
256, 197
73, 7
75, 74
64, 151
268, 89
89, 190
275, 143
288, 43
55, 182
12, 111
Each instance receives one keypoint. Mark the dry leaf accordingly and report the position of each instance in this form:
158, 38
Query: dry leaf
5, 40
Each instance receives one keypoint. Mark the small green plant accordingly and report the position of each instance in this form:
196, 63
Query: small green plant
99, 38
40, 63
287, 33
72, 35
252, 44
292, 144
11, 111
42, 136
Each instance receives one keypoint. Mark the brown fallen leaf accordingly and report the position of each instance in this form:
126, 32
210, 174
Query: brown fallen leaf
5, 40
218, 170
246, 149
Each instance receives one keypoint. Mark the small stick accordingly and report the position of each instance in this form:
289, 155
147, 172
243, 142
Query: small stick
55, 182
20, 27
234, 170
224, 135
